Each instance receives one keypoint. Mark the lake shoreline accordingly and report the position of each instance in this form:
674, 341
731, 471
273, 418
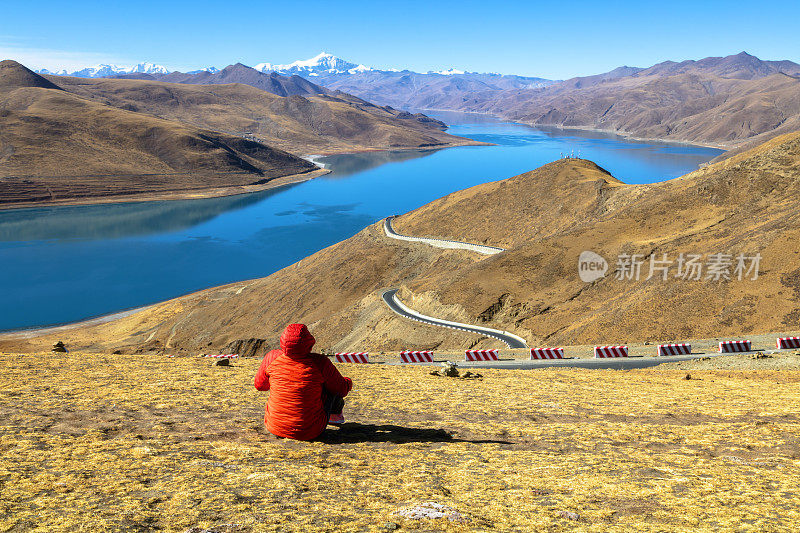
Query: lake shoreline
234, 190
194, 194
30, 333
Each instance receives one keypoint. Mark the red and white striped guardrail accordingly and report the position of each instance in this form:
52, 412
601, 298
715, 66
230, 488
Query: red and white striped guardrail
675, 349
352, 357
481, 355
610, 351
547, 353
226, 356
787, 342
735, 346
422, 356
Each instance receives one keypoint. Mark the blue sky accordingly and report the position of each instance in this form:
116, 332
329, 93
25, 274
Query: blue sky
548, 39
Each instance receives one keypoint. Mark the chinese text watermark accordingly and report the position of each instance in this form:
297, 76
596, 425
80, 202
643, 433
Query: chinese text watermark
686, 266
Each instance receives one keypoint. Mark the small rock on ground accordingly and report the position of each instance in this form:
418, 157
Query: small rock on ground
59, 347
431, 510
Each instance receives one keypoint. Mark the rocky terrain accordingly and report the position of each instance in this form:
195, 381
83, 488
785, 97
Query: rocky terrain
747, 204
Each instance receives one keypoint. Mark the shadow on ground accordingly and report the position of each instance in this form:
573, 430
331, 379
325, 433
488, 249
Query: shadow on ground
353, 432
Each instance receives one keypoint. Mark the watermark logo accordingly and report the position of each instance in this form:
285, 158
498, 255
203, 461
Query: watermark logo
691, 267
686, 266
591, 266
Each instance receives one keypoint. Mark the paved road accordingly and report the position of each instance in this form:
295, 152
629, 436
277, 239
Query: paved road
618, 363
439, 243
390, 297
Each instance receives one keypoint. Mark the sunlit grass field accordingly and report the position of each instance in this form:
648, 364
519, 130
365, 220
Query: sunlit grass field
136, 443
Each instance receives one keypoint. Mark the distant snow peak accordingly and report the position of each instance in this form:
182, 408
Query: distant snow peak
105, 70
448, 72
210, 70
322, 63
148, 68
61, 72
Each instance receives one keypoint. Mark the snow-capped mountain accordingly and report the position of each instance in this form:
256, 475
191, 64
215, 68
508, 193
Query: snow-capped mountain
104, 70
322, 63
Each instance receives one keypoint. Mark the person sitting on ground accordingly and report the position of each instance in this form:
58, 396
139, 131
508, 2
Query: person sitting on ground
306, 389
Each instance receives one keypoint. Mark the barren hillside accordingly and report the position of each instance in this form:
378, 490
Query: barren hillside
721, 101
56, 146
301, 123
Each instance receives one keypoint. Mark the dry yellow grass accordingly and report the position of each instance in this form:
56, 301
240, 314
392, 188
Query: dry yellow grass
95, 442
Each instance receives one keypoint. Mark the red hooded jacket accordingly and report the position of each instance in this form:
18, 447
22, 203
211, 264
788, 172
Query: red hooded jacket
295, 378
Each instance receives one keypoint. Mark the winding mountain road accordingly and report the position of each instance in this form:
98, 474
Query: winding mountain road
390, 295
390, 298
439, 243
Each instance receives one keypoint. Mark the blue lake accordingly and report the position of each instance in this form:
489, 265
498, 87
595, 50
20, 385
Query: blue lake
66, 264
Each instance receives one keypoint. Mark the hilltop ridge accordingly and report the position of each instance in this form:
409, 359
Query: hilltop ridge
238, 73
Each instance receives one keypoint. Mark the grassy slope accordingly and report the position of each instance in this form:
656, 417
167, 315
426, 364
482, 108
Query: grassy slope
102, 442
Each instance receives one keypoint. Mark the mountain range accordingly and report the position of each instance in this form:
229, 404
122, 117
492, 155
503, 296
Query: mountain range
290, 113
106, 70
375, 85
720, 101
82, 140
728, 102
56, 146
322, 63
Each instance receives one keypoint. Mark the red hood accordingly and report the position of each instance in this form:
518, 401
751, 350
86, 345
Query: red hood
296, 340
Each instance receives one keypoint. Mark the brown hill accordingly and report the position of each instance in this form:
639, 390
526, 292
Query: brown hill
14, 76
747, 204
740, 66
59, 147
299, 124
